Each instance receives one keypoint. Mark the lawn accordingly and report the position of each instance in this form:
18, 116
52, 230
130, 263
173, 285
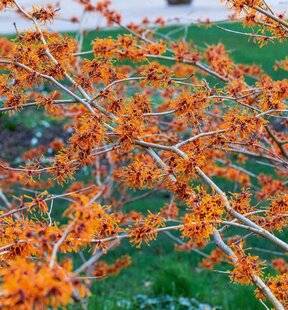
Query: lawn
158, 269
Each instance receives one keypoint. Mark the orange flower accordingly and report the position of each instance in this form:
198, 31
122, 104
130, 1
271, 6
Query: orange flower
240, 4
91, 221
64, 166
199, 224
137, 175
155, 48
170, 211
130, 127
277, 213
245, 268
15, 100
190, 105
185, 167
5, 3
219, 60
146, 231
241, 202
278, 285
241, 125
88, 134
102, 269
104, 47
273, 95
280, 265
44, 14
49, 288
49, 104
215, 257
38, 202
155, 74
183, 52
4, 85
269, 187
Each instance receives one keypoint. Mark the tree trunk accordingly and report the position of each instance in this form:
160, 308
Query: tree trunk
175, 2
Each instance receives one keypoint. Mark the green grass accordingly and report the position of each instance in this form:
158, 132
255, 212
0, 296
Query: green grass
159, 270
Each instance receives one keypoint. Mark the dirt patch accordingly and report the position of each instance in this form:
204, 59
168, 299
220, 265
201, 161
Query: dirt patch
14, 140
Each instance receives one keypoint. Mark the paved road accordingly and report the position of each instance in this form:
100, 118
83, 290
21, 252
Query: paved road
131, 10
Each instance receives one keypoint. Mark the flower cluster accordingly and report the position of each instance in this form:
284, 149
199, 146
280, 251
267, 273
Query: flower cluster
49, 288
246, 267
146, 231
199, 224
